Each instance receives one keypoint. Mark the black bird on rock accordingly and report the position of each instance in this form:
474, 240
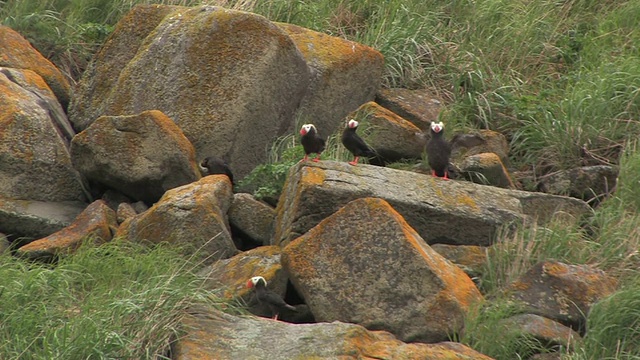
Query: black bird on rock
265, 296
439, 149
311, 142
356, 145
213, 166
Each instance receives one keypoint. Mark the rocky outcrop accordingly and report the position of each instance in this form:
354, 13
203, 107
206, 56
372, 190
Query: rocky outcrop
550, 333
34, 157
347, 269
486, 168
220, 336
96, 223
140, 155
18, 53
453, 212
562, 292
192, 215
223, 76
344, 75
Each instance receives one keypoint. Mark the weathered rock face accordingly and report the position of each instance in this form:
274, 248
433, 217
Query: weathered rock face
16, 52
586, 183
393, 137
562, 292
220, 336
36, 219
345, 75
453, 212
347, 269
417, 106
193, 214
96, 222
34, 156
493, 142
471, 259
547, 331
223, 76
141, 155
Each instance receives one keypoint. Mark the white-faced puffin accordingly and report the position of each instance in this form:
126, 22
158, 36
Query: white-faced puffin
265, 296
213, 166
355, 144
439, 149
311, 142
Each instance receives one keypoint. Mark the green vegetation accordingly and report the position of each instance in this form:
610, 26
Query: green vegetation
561, 79
116, 301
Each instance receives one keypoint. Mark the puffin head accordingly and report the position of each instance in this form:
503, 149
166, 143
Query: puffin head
352, 124
436, 127
306, 128
255, 280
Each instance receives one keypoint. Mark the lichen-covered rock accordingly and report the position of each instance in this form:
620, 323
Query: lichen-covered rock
124, 212
562, 292
420, 107
586, 183
453, 212
214, 335
252, 218
393, 137
549, 332
344, 75
29, 220
95, 223
34, 157
140, 155
486, 168
193, 214
16, 52
223, 76
366, 265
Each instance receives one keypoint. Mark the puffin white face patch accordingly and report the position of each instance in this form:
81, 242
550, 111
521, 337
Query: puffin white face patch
306, 128
256, 279
352, 124
437, 127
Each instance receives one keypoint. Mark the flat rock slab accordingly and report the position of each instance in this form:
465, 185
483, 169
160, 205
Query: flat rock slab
441, 211
36, 219
214, 335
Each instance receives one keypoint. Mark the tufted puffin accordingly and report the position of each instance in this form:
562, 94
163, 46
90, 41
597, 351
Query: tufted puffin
354, 143
264, 296
213, 166
439, 149
311, 142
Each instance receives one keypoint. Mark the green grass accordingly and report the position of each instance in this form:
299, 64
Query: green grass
116, 301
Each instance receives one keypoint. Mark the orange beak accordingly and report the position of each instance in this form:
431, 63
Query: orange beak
249, 284
303, 132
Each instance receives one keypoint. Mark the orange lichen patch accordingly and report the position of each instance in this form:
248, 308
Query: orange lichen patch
375, 113
312, 176
95, 222
325, 49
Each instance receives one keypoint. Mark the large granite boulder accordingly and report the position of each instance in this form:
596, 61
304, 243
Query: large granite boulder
223, 76
344, 75
441, 211
192, 215
366, 265
213, 334
142, 155
34, 156
28, 219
